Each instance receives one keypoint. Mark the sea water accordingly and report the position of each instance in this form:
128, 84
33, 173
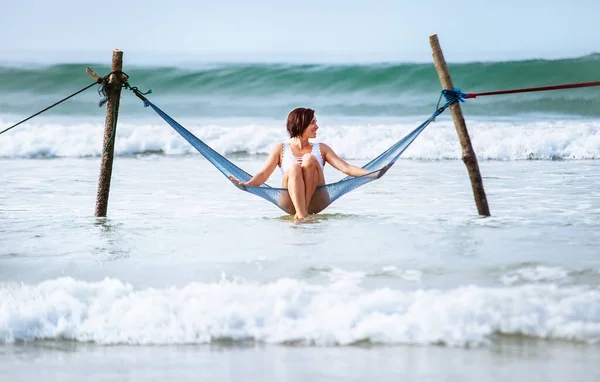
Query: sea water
188, 278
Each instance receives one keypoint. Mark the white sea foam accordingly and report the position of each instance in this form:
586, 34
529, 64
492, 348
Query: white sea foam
579, 139
537, 274
287, 310
338, 275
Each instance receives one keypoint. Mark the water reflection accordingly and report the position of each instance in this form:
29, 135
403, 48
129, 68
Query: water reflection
112, 235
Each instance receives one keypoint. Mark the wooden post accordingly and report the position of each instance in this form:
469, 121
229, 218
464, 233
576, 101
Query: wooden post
110, 129
468, 154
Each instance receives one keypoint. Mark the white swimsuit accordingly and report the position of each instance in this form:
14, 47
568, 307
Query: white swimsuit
288, 157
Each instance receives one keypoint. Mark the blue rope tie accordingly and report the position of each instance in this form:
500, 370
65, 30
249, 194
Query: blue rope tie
451, 97
454, 95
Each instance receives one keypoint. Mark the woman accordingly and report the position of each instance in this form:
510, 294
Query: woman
301, 164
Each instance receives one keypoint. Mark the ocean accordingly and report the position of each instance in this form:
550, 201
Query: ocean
188, 278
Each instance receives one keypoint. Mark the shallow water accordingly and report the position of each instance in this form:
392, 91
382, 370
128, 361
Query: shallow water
419, 216
512, 359
400, 273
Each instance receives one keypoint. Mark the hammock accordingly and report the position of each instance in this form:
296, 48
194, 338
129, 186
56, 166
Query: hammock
325, 194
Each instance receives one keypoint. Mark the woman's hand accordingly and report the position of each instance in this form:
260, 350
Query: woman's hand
238, 182
383, 170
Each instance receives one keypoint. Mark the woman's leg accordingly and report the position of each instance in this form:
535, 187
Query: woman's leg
316, 199
296, 189
312, 174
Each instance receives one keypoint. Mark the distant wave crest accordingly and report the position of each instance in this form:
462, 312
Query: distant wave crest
353, 89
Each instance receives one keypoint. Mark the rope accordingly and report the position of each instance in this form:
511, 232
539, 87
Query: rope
103, 90
138, 93
99, 81
525, 90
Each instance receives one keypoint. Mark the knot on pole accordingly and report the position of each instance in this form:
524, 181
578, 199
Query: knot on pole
113, 81
109, 83
451, 97
454, 95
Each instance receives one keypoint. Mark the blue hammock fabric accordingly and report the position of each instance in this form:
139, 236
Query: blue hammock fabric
327, 193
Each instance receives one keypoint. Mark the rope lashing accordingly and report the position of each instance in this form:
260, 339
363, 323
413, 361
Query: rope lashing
106, 86
451, 97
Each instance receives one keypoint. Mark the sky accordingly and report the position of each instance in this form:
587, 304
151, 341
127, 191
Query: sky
307, 31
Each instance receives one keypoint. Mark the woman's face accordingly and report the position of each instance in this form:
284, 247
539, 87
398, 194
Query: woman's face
311, 129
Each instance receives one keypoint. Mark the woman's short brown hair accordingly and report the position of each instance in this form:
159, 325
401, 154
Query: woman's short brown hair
298, 120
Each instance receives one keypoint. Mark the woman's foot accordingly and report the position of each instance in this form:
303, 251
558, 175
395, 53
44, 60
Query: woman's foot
299, 216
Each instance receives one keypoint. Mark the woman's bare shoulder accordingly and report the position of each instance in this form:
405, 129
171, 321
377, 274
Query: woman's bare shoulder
277, 152
278, 147
324, 146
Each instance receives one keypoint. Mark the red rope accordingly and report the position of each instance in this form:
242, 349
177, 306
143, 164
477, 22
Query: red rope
539, 89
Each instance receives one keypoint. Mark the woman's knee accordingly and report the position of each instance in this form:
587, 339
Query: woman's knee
294, 171
309, 161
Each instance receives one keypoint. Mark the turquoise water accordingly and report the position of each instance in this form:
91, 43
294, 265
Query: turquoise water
271, 90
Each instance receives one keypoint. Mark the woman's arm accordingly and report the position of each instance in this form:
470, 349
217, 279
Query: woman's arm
335, 161
266, 171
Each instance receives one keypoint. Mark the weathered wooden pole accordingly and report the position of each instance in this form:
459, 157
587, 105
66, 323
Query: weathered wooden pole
468, 154
110, 129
